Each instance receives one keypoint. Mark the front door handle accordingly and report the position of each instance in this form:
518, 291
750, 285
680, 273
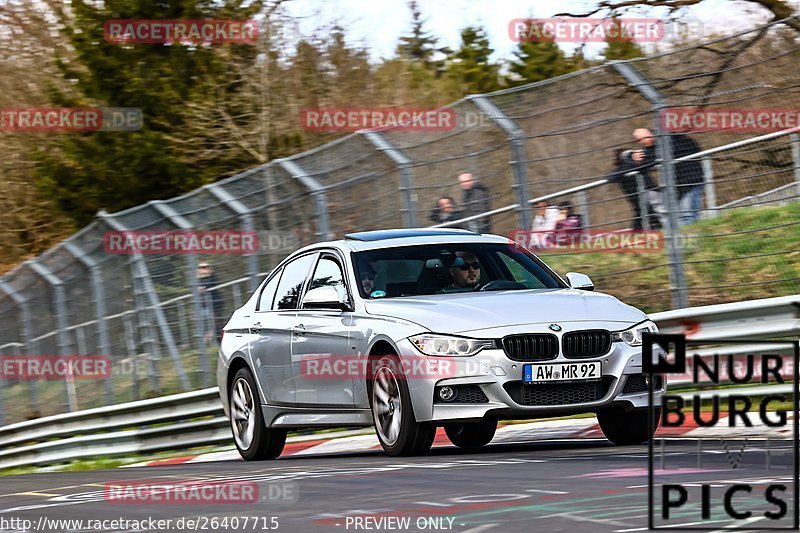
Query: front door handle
299, 330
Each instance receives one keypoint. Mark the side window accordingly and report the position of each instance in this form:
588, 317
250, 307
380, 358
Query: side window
329, 274
268, 294
521, 274
294, 275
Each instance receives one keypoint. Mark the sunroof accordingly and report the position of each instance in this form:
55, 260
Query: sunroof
379, 235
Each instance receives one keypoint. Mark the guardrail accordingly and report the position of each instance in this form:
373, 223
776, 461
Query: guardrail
196, 418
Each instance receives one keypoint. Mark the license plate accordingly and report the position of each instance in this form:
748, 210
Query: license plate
561, 372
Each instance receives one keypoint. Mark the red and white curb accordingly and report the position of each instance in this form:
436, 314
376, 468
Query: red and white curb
366, 440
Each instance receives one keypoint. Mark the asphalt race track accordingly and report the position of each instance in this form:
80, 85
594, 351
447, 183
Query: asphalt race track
566, 485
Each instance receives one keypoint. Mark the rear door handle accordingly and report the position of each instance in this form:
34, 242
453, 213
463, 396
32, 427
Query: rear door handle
256, 328
299, 330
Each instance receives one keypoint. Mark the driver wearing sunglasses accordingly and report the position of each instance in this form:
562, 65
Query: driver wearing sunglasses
466, 273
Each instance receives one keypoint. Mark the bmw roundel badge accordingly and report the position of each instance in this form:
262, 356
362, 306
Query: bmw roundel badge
554, 327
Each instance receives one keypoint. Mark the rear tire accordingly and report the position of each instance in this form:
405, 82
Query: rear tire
626, 428
254, 440
471, 434
398, 430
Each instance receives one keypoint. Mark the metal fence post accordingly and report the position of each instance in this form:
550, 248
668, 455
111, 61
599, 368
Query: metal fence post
317, 192
57, 287
25, 312
710, 187
516, 138
795, 140
22, 304
664, 154
246, 221
583, 201
140, 271
403, 163
641, 196
99, 297
200, 325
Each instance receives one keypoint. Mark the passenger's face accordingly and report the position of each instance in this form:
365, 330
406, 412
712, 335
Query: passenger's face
469, 277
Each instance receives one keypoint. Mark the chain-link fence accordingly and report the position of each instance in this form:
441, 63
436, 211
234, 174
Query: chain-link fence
530, 149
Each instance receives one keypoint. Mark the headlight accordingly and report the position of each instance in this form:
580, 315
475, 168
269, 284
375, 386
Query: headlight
444, 345
633, 336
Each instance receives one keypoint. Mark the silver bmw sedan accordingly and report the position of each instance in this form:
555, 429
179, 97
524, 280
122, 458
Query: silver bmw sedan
409, 330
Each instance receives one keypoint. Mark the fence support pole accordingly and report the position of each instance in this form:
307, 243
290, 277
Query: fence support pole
27, 336
139, 268
99, 300
246, 222
710, 187
583, 206
317, 192
641, 196
406, 177
795, 140
516, 139
200, 324
664, 154
57, 287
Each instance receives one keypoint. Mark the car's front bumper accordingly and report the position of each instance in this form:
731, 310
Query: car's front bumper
500, 381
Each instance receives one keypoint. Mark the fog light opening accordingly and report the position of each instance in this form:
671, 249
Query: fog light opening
658, 382
447, 394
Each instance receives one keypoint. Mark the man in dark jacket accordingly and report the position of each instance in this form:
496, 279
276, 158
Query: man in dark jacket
624, 175
211, 302
475, 201
688, 174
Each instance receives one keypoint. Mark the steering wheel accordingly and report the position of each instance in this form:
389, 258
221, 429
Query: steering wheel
501, 285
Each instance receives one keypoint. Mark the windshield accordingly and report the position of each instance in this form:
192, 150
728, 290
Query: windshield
447, 268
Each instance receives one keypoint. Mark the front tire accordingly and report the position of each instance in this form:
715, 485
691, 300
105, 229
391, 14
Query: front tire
471, 434
626, 428
253, 439
398, 430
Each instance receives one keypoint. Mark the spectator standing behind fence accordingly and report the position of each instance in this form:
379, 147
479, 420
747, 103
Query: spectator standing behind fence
688, 174
545, 217
210, 302
474, 202
445, 211
568, 221
624, 174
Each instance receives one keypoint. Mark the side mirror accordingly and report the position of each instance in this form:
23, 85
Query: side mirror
580, 281
325, 298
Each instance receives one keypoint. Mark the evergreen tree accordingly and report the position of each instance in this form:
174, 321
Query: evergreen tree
114, 170
539, 60
469, 69
621, 46
420, 46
